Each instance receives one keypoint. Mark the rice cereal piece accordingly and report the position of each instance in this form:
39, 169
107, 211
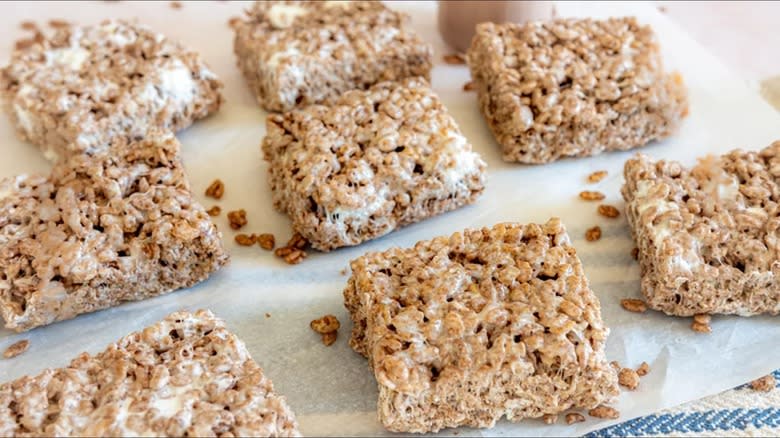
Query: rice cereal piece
85, 86
187, 375
372, 162
297, 53
573, 87
466, 329
101, 230
707, 235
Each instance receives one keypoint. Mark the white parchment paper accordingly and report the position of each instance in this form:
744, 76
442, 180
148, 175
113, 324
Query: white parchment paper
331, 389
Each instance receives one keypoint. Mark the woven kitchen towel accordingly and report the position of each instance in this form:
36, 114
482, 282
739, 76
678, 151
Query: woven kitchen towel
738, 412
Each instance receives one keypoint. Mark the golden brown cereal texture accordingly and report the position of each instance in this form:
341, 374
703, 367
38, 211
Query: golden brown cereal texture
591, 195
83, 87
237, 218
604, 412
266, 241
246, 239
764, 384
628, 379
100, 230
503, 312
214, 211
216, 189
16, 349
573, 87
701, 327
593, 234
401, 158
454, 59
294, 54
329, 338
187, 375
609, 211
57, 23
643, 369
574, 417
326, 324
707, 235
597, 176
291, 256
634, 305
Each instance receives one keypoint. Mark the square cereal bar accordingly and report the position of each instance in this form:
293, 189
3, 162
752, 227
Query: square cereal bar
573, 87
372, 162
187, 375
298, 53
466, 329
707, 236
85, 86
100, 230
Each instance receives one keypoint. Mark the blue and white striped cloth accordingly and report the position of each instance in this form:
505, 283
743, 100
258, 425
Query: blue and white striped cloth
738, 412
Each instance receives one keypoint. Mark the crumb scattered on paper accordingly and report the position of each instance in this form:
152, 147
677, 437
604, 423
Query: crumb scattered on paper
16, 349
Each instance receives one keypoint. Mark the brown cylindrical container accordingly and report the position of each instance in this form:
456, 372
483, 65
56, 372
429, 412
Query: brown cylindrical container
457, 19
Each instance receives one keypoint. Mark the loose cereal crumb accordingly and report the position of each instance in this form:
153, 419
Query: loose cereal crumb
643, 369
297, 241
634, 305
329, 338
267, 241
455, 59
702, 318
597, 176
237, 218
701, 328
295, 256
549, 418
344, 271
56, 23
233, 22
326, 324
214, 211
628, 378
267, 315
701, 323
616, 365
662, 9
764, 384
470, 86
604, 412
16, 349
246, 239
28, 25
175, 5
216, 189
635, 253
593, 234
608, 211
574, 417
590, 195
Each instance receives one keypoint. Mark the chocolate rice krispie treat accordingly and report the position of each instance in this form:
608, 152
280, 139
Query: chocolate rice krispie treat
573, 87
100, 230
187, 375
295, 53
466, 329
372, 162
78, 90
707, 236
